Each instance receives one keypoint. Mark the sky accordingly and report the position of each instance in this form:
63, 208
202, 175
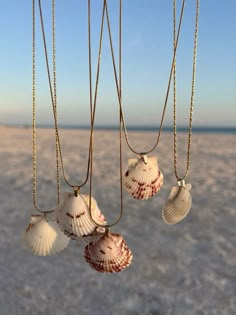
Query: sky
146, 61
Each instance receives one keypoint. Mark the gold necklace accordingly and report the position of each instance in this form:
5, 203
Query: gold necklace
167, 92
76, 187
180, 201
105, 10
80, 200
42, 236
143, 178
34, 108
74, 206
109, 253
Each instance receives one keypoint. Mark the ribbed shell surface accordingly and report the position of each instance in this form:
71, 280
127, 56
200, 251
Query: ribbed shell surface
143, 179
73, 216
44, 238
108, 254
177, 206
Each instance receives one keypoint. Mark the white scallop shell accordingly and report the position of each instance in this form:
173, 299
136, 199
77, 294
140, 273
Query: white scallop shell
143, 178
44, 238
178, 204
108, 254
96, 213
73, 216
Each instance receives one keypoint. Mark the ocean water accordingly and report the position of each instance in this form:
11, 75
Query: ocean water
197, 129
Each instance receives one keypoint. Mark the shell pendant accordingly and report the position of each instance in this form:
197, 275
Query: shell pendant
178, 204
143, 178
43, 237
74, 219
108, 254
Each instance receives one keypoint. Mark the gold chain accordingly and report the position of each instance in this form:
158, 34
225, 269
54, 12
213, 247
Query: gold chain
168, 85
34, 109
94, 108
192, 92
55, 96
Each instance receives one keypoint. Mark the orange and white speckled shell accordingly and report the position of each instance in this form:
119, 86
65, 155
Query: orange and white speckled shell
108, 254
143, 178
73, 216
44, 238
178, 204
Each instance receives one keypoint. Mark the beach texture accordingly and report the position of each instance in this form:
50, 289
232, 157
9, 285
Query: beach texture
184, 269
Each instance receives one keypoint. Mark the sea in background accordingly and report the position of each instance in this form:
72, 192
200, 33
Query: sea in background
196, 129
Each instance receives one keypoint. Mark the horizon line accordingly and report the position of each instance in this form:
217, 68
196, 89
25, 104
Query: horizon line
199, 128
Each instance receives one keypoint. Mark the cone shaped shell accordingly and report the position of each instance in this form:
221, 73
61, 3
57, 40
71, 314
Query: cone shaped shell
73, 216
178, 205
108, 254
143, 178
44, 238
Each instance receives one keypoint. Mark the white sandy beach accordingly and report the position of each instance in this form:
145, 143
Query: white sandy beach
185, 269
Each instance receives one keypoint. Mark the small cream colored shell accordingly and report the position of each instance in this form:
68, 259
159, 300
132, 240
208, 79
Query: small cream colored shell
143, 178
108, 254
178, 204
73, 216
44, 238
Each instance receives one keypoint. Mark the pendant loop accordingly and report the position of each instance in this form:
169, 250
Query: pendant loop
76, 190
181, 182
107, 231
144, 157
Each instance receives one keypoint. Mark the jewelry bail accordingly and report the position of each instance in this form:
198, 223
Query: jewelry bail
144, 157
107, 231
181, 182
76, 190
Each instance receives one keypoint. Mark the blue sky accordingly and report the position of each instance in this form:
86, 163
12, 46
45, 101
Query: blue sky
147, 52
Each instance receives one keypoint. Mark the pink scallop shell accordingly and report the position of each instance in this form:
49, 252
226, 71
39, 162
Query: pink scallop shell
143, 178
108, 254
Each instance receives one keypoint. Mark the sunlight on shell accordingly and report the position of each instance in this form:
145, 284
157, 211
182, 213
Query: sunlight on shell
143, 178
108, 254
73, 216
44, 238
178, 204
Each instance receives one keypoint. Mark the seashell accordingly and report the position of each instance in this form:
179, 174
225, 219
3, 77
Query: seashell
143, 178
178, 204
99, 231
108, 254
73, 216
96, 213
44, 238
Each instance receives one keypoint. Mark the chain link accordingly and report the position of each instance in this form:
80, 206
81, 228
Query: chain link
192, 93
34, 110
34, 126
55, 97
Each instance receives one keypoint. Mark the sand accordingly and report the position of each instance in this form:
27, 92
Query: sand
185, 269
